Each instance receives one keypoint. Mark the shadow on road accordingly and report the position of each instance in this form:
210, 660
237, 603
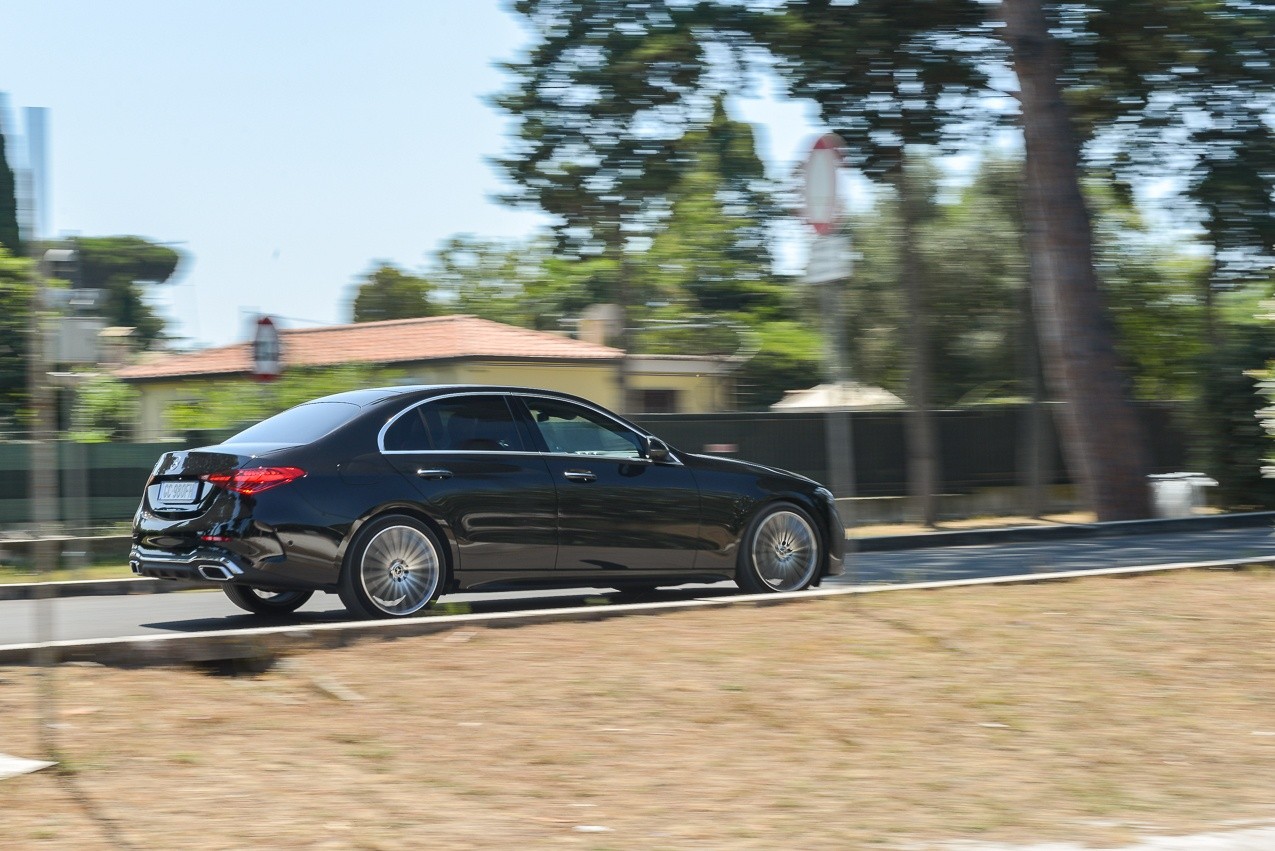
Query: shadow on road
445, 606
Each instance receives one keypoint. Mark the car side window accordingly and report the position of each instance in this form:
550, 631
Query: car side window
409, 433
458, 423
574, 430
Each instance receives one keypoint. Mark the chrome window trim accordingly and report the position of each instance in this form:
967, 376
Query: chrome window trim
506, 394
606, 414
503, 395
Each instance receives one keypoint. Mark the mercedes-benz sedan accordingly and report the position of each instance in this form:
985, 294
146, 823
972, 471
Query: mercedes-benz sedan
392, 496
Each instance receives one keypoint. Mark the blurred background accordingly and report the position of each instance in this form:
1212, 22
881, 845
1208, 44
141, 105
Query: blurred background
1050, 228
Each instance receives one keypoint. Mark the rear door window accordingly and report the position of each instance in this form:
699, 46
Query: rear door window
458, 424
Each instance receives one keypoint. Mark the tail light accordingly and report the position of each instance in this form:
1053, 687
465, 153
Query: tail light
256, 480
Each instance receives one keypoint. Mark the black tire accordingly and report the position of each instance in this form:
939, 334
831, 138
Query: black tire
394, 568
781, 551
261, 602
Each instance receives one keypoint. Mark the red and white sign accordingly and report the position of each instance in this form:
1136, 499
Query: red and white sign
267, 351
822, 208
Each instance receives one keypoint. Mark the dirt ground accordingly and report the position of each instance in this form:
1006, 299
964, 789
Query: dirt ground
1092, 711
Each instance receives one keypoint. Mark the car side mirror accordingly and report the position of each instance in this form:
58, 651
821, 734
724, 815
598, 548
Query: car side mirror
656, 450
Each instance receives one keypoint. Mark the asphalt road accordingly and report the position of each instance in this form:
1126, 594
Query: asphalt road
1060, 555
79, 618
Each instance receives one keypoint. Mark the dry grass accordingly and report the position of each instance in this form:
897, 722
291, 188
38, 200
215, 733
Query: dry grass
1087, 711
14, 575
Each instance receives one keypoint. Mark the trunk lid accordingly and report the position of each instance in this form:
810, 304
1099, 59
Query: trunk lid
176, 485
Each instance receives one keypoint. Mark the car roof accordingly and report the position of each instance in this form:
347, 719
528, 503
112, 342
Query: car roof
372, 395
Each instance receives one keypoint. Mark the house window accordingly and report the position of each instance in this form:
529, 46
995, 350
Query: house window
656, 401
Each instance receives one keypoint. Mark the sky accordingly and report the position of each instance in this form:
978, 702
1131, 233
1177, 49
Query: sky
284, 147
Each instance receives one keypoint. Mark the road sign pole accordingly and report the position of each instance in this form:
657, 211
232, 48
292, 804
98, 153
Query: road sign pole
828, 269
838, 431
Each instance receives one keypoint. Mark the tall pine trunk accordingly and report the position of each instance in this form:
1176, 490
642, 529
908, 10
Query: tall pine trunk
922, 440
1103, 439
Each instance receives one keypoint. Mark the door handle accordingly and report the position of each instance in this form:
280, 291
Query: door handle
431, 473
580, 476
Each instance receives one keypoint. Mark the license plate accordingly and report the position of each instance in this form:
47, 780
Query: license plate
178, 491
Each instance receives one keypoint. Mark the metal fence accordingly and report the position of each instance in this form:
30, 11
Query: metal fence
101, 484
978, 447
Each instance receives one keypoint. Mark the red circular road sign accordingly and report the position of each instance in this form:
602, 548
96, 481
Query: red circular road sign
267, 352
822, 208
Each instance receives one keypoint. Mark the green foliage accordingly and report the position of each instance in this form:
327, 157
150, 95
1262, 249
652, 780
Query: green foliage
388, 292
116, 264
599, 102
235, 404
518, 283
712, 252
10, 237
885, 73
105, 410
1190, 85
15, 318
788, 357
1152, 290
1231, 444
976, 266
973, 271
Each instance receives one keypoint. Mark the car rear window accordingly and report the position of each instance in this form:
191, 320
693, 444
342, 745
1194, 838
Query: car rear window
301, 424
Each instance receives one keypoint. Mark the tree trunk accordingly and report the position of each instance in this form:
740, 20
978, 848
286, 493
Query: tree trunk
1033, 458
922, 462
1102, 436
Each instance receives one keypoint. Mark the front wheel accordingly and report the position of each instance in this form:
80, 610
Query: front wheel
393, 568
780, 551
261, 602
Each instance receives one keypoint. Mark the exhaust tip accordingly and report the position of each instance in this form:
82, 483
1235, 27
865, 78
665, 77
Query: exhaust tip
215, 572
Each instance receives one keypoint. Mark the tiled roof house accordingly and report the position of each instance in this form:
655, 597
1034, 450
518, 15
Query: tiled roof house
442, 349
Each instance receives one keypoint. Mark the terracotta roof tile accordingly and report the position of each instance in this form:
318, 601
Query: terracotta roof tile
391, 341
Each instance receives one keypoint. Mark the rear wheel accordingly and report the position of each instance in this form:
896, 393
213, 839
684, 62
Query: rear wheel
261, 602
393, 568
780, 551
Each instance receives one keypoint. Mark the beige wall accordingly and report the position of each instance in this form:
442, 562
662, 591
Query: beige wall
699, 393
593, 381
151, 423
698, 389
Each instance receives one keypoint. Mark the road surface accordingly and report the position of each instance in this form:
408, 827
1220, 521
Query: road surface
78, 618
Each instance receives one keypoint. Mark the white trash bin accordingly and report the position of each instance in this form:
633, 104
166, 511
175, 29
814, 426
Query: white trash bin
1179, 494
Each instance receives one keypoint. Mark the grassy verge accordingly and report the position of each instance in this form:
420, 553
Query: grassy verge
11, 575
1090, 711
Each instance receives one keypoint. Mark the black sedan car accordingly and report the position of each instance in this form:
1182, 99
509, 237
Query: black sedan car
392, 496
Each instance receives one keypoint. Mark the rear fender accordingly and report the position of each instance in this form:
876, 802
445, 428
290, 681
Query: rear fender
440, 529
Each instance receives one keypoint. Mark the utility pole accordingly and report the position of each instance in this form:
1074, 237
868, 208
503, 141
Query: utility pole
828, 269
41, 399
43, 472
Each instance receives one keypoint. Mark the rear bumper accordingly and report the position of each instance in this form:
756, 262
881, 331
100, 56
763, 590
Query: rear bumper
214, 567
191, 567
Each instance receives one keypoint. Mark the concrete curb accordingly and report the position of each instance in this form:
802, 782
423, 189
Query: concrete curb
258, 647
876, 544
95, 588
1027, 534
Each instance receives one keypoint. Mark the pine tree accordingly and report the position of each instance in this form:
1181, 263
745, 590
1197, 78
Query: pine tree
10, 237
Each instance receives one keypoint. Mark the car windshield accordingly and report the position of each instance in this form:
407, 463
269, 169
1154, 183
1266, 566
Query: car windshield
298, 425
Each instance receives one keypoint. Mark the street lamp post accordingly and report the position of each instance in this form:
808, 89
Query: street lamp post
43, 470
